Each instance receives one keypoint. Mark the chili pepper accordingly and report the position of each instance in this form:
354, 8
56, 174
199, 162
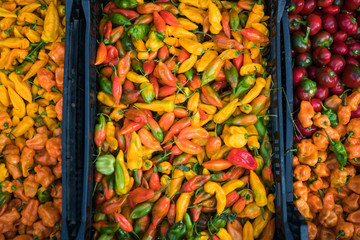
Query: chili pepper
160, 209
214, 188
126, 4
106, 227
141, 224
139, 31
140, 210
211, 95
123, 223
118, 19
212, 71
331, 114
339, 150
176, 231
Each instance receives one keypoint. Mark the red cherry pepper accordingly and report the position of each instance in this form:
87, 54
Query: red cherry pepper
242, 158
329, 23
337, 63
309, 7
298, 74
354, 50
327, 77
333, 10
313, 21
296, 6
347, 23
324, 3
294, 22
321, 56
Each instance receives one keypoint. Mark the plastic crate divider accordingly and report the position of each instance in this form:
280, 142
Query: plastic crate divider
73, 116
297, 224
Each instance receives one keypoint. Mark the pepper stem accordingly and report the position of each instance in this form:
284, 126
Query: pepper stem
331, 141
350, 134
322, 105
306, 37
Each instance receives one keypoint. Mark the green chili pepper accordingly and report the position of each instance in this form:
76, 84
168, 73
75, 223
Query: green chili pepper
177, 231
189, 227
127, 44
105, 164
147, 92
339, 150
217, 222
266, 149
189, 74
106, 85
120, 181
331, 114
118, 19
235, 19
106, 227
261, 129
123, 235
155, 130
106, 236
140, 210
231, 73
243, 17
137, 66
139, 31
99, 217
244, 86
43, 194
126, 3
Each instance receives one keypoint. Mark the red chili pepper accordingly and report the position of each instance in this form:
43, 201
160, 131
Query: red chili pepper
176, 128
193, 132
211, 95
130, 127
202, 196
195, 183
195, 212
171, 214
183, 55
108, 187
195, 83
217, 165
136, 115
169, 18
235, 172
155, 84
109, 6
226, 23
155, 181
267, 176
176, 150
239, 206
166, 75
166, 121
123, 67
150, 233
242, 158
139, 195
107, 30
107, 71
124, 223
226, 43
112, 205
100, 131
99, 199
167, 91
203, 114
188, 146
164, 227
181, 159
218, 85
120, 138
246, 4
117, 90
163, 53
148, 8
101, 54
160, 210
149, 66
182, 79
254, 35
129, 14
159, 23
128, 85
231, 198
112, 55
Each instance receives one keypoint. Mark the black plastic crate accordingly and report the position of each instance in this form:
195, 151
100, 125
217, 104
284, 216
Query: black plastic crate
93, 11
296, 224
73, 118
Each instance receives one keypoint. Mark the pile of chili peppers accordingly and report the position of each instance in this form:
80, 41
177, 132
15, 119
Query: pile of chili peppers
31, 84
183, 147
325, 37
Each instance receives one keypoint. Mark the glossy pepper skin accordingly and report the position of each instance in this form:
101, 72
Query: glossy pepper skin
177, 231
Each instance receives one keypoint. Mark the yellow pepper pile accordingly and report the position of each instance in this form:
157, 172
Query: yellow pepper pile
32, 52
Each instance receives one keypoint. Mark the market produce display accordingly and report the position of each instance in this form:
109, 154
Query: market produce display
183, 98
32, 53
325, 39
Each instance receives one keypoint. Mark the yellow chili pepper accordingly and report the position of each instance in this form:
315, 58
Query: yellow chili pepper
205, 60
158, 106
30, 18
203, 236
176, 182
230, 54
237, 36
136, 78
51, 24
248, 231
147, 165
181, 205
14, 42
154, 43
191, 46
172, 41
261, 28
253, 141
260, 223
195, 120
43, 60
105, 99
7, 13
236, 137
231, 185
50, 123
215, 18
7, 22
33, 36
130, 185
30, 8
194, 14
117, 114
251, 68
22, 88
164, 167
176, 98
256, 14
4, 96
223, 234
255, 91
194, 3
164, 180
271, 205
110, 135
193, 102
140, 46
23, 126
121, 170
226, 111
3, 172
17, 102
179, 32
259, 189
214, 188
187, 64
190, 175
221, 152
174, 51
209, 109
134, 153
187, 24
